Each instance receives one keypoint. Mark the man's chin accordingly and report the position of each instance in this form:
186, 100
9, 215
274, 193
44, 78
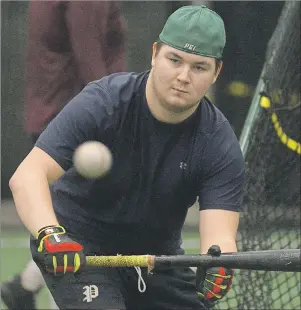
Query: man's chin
178, 106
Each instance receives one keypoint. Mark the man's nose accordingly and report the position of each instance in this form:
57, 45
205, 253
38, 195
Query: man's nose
183, 75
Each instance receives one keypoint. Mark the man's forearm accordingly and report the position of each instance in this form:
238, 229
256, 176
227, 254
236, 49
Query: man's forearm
33, 201
218, 227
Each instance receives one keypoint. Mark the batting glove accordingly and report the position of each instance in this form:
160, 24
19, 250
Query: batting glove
213, 283
61, 254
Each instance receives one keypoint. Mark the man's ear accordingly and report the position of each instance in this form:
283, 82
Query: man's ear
218, 72
154, 53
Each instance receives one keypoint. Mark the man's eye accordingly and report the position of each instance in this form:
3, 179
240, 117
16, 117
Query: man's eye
174, 60
199, 68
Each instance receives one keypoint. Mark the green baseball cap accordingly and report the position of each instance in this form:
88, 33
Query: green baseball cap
195, 29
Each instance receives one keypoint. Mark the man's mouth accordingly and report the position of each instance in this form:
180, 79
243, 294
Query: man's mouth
180, 90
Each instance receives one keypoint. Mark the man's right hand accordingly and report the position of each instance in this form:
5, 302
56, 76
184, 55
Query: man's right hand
61, 254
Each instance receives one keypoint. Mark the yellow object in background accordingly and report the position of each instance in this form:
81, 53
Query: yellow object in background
293, 145
239, 89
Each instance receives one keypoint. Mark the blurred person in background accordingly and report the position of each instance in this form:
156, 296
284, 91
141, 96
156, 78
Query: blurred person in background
69, 45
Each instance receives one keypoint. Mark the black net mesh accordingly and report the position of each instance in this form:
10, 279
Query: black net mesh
271, 216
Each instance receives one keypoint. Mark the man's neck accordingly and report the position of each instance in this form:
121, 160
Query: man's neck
158, 110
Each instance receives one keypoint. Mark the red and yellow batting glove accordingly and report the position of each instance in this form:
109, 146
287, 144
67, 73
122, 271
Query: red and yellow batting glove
61, 254
213, 283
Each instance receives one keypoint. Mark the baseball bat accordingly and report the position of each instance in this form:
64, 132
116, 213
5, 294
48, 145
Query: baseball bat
271, 260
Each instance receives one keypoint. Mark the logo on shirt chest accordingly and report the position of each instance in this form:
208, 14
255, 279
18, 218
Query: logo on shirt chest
183, 165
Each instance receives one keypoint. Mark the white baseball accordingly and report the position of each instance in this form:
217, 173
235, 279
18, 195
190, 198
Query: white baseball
92, 159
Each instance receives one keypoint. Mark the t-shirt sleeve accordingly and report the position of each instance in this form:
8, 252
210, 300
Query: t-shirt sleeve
84, 118
221, 186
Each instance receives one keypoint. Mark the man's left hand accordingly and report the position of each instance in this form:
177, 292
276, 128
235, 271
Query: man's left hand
213, 283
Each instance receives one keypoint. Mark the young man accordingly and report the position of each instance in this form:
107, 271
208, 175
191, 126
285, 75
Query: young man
70, 43
169, 146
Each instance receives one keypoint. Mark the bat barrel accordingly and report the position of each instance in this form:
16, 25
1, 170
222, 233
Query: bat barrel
273, 260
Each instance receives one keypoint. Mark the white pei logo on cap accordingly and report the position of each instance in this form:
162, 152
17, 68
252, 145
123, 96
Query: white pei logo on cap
191, 47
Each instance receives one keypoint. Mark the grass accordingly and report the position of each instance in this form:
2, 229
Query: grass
15, 255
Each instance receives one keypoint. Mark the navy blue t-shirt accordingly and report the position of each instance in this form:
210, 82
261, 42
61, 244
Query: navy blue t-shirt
158, 170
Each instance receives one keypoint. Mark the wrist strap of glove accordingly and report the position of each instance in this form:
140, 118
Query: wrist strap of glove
49, 230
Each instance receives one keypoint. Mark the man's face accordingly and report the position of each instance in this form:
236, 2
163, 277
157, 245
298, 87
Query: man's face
181, 79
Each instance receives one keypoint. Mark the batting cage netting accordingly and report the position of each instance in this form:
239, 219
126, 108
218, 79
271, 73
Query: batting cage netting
271, 145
